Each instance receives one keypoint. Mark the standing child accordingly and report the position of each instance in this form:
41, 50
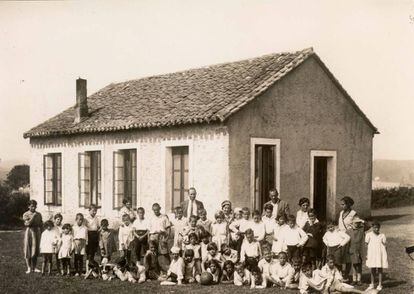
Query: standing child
278, 232
258, 226
33, 223
192, 228
239, 228
141, 230
152, 267
48, 245
312, 251
196, 248
219, 230
250, 252
65, 249
242, 276
205, 240
126, 236
234, 228
294, 238
228, 254
92, 224
160, 227
80, 237
356, 248
106, 240
269, 222
376, 254
227, 275
334, 240
178, 225
58, 231
203, 221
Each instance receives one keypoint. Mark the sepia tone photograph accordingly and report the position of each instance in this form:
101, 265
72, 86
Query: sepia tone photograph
207, 146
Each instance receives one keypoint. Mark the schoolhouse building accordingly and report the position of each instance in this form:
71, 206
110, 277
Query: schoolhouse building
233, 131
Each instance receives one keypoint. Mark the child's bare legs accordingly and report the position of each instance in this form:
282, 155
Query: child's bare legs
29, 265
357, 273
44, 265
379, 277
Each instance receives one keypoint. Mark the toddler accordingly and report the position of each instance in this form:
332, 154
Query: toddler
80, 237
48, 246
219, 229
65, 249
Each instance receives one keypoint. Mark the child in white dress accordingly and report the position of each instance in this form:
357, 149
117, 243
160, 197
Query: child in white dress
376, 254
65, 249
219, 229
48, 245
178, 225
126, 236
278, 231
269, 222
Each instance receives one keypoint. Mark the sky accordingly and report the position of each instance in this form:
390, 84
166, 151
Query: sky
45, 46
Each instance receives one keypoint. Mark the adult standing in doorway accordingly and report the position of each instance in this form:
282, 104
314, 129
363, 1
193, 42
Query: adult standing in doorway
191, 206
346, 218
280, 207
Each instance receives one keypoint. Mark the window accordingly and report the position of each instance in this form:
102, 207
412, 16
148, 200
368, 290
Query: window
179, 175
52, 173
90, 178
125, 177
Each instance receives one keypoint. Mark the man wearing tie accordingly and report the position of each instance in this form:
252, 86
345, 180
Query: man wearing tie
191, 206
280, 207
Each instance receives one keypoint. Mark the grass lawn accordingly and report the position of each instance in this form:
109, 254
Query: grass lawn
397, 224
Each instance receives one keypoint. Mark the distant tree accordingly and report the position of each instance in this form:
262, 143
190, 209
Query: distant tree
18, 176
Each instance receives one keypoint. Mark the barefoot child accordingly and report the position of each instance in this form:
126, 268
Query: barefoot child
376, 254
48, 245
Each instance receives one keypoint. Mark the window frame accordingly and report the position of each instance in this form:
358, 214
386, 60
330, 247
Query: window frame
129, 171
183, 172
56, 179
94, 178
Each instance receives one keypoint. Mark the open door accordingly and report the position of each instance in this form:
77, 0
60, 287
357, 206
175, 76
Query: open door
264, 174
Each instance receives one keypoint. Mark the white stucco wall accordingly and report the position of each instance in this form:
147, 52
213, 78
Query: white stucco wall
208, 166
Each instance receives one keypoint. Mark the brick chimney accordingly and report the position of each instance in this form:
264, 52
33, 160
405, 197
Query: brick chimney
81, 107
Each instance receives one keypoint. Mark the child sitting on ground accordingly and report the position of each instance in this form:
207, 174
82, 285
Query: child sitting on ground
227, 275
214, 268
257, 281
152, 267
228, 254
212, 254
196, 248
190, 273
203, 221
175, 274
264, 266
281, 272
296, 264
242, 276
250, 251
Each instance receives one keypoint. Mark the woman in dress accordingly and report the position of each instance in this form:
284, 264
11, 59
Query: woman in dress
345, 221
33, 223
228, 212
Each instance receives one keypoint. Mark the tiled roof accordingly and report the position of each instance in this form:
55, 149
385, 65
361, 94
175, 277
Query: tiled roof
202, 95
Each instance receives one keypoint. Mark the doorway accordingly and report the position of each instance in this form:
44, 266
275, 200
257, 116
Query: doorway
264, 173
323, 183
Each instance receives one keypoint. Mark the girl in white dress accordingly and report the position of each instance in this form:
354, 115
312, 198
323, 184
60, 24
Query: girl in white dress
376, 254
48, 245
219, 230
65, 249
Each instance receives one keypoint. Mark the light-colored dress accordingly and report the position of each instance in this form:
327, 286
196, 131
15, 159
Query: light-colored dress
33, 223
48, 242
219, 233
178, 228
376, 252
66, 246
278, 243
301, 218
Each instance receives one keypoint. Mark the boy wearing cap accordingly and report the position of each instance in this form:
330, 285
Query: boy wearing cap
176, 271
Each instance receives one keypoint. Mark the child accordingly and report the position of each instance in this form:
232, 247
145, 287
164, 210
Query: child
127, 209
65, 249
175, 272
219, 229
178, 225
160, 227
48, 244
126, 236
234, 228
308, 284
33, 223
250, 252
264, 266
106, 240
312, 249
294, 238
141, 230
296, 264
240, 226
281, 272
212, 254
58, 231
227, 275
228, 254
80, 237
196, 248
214, 269
269, 222
356, 248
278, 232
205, 240
334, 240
192, 228
141, 274
152, 267
302, 214
258, 226
191, 275
257, 281
203, 221
242, 276
92, 224
376, 254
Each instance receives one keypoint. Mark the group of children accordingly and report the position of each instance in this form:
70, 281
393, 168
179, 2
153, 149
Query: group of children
242, 248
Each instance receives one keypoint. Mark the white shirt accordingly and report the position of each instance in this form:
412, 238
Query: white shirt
159, 223
192, 203
275, 207
269, 223
282, 272
80, 232
177, 267
238, 280
244, 225
125, 236
250, 250
301, 218
141, 224
92, 223
294, 237
264, 266
258, 230
48, 241
335, 238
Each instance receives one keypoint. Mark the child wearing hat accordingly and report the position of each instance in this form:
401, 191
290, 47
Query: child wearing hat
175, 274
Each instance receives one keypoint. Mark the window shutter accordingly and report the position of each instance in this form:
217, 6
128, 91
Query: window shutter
119, 170
58, 178
133, 177
84, 179
48, 178
98, 162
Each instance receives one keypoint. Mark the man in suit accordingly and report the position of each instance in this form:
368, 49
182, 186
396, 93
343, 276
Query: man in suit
191, 206
280, 207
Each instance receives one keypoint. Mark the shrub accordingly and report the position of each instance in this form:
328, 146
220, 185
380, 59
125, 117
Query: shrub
12, 207
395, 197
